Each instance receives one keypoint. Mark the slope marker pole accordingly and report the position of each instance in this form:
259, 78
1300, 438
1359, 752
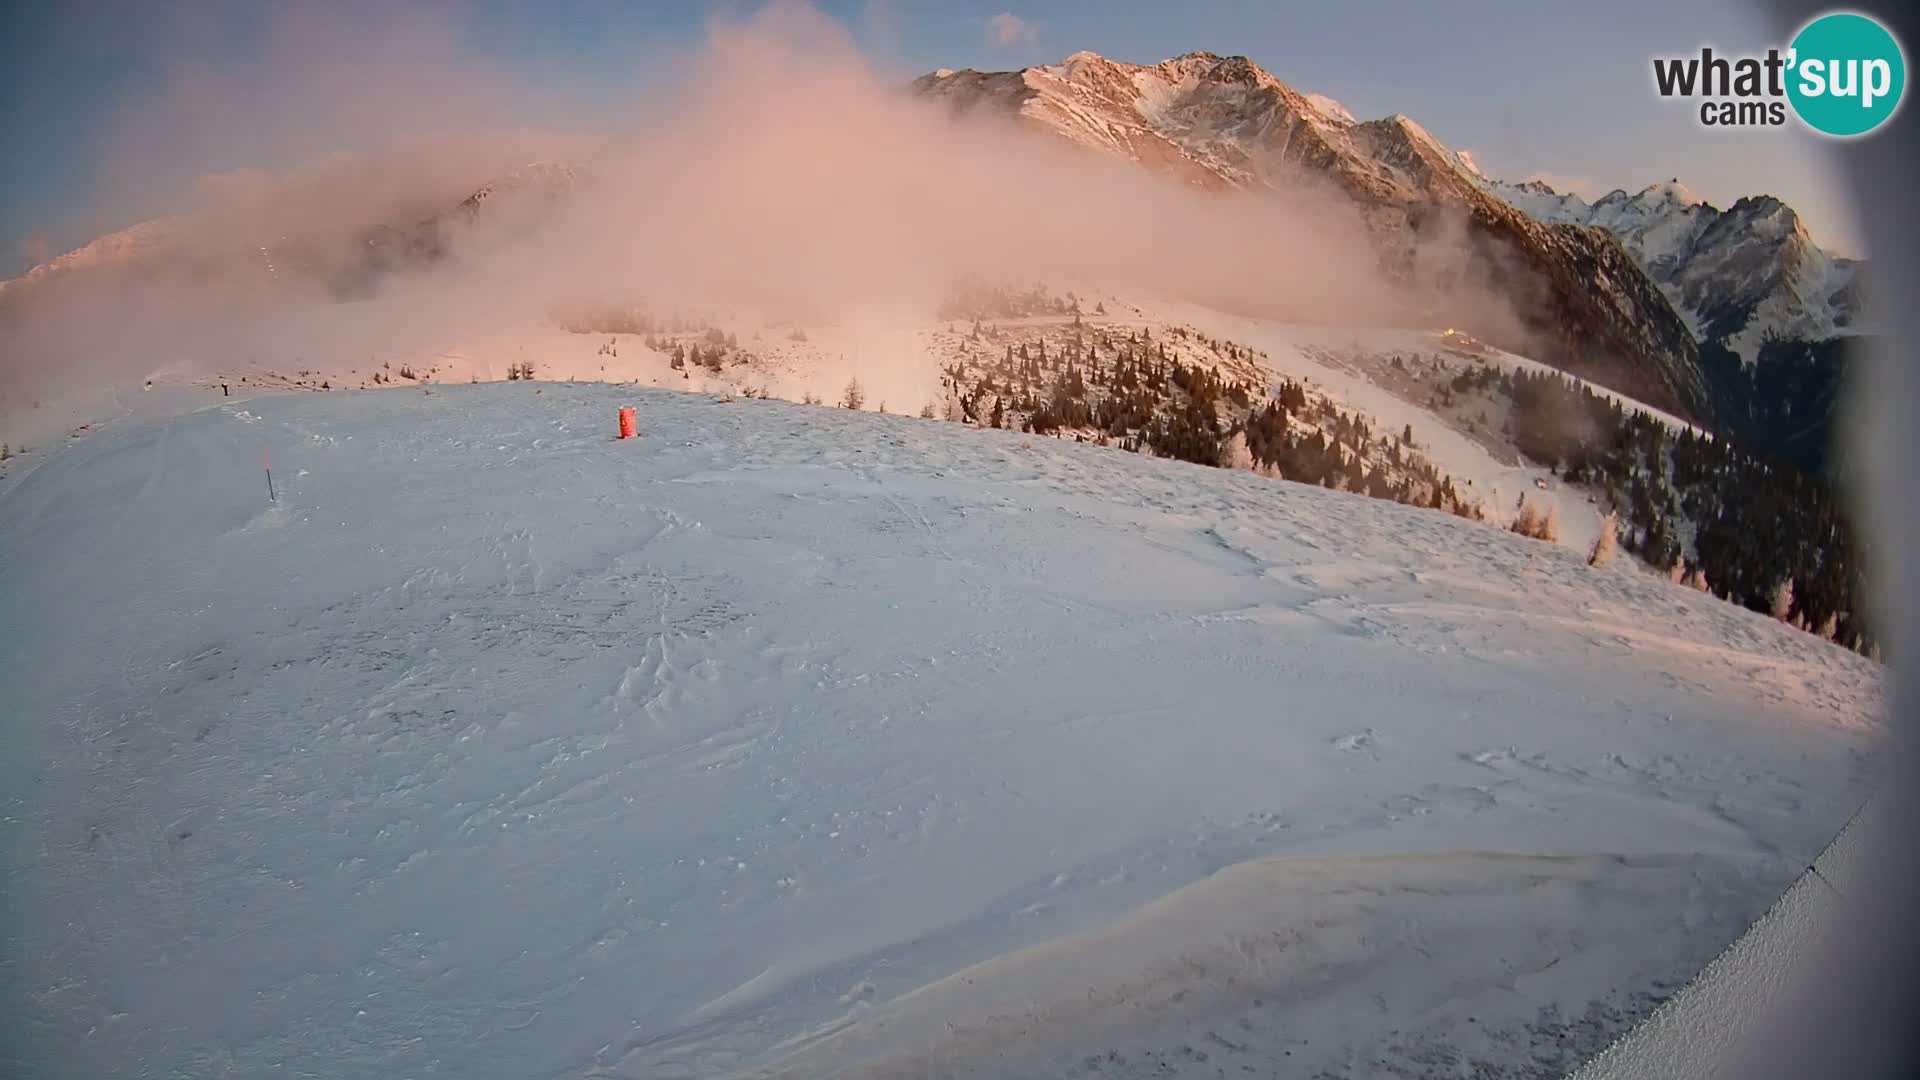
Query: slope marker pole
271, 495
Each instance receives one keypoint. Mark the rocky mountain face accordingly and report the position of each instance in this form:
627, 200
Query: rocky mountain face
1224, 122
1740, 276
1776, 317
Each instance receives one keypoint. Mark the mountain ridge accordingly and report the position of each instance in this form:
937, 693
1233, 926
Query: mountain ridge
347, 266
1224, 122
1740, 276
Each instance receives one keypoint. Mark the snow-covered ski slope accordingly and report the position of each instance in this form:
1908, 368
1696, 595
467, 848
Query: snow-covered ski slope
790, 741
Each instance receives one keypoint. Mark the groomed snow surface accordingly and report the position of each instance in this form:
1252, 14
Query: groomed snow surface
787, 741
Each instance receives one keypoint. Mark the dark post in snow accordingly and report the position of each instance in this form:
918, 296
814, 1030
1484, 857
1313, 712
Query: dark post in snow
271, 496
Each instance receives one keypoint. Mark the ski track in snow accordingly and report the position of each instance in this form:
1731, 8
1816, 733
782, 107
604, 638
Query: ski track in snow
783, 741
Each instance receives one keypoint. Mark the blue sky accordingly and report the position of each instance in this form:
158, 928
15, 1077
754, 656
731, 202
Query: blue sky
1530, 88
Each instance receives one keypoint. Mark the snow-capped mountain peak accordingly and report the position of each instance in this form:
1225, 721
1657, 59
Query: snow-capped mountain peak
1651, 201
1413, 128
1670, 193
1071, 66
1739, 276
1538, 199
1224, 122
1331, 109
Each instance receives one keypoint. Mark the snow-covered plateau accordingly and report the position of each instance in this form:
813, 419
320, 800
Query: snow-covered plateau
794, 741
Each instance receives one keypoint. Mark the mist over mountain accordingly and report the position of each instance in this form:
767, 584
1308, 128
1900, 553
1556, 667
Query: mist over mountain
776, 169
780, 169
1212, 122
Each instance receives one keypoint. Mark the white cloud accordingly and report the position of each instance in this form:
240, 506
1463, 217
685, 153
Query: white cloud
1006, 30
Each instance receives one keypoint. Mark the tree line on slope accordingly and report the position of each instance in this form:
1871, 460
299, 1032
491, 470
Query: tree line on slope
1136, 393
1745, 527
1749, 528
973, 300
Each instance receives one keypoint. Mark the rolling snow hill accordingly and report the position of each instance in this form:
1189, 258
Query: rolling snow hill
790, 741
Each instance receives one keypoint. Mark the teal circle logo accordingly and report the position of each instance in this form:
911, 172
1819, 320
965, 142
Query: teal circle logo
1847, 74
